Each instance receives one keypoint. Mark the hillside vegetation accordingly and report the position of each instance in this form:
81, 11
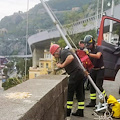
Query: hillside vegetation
14, 38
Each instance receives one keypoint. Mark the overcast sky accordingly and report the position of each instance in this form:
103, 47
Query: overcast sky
8, 7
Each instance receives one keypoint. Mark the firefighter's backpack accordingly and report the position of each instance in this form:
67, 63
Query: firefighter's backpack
84, 59
115, 106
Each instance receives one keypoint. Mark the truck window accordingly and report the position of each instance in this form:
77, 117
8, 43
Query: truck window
113, 36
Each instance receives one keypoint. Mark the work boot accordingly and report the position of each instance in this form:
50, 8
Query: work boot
79, 113
92, 103
68, 112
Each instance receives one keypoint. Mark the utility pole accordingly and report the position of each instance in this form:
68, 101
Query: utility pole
97, 16
111, 22
26, 39
102, 8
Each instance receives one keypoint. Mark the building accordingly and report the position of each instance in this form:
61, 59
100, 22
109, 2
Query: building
3, 30
75, 8
3, 62
114, 39
46, 66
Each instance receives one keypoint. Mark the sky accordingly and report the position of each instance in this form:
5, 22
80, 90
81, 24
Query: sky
9, 7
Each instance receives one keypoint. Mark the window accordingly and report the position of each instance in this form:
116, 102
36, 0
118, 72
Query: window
46, 65
111, 32
41, 65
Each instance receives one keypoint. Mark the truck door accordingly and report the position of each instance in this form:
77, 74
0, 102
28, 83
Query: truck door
111, 51
111, 57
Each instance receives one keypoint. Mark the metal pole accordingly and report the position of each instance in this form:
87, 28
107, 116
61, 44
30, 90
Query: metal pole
102, 8
26, 39
64, 37
111, 22
97, 16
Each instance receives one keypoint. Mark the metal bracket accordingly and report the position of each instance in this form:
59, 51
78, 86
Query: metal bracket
103, 106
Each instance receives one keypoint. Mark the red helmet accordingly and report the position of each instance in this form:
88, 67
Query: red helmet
53, 48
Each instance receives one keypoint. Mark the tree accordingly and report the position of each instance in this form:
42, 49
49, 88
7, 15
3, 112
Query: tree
61, 42
21, 66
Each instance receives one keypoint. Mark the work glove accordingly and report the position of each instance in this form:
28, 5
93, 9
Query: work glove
86, 50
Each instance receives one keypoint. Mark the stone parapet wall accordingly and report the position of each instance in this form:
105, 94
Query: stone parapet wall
47, 101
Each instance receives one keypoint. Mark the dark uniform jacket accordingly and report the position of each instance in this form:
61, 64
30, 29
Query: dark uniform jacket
74, 65
98, 63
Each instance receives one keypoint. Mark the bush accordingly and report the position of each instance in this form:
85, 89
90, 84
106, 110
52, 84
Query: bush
10, 82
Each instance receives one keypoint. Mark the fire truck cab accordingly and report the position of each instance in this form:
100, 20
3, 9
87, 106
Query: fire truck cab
111, 51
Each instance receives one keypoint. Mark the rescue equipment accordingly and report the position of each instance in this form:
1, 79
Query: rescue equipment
107, 116
115, 106
84, 59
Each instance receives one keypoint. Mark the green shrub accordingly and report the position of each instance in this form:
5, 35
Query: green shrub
10, 82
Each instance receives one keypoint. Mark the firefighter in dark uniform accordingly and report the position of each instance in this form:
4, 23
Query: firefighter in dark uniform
97, 73
75, 84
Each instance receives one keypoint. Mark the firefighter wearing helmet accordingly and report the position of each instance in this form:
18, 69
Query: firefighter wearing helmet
54, 48
76, 83
89, 41
96, 73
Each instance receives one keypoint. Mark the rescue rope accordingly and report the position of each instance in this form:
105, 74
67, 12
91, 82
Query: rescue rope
107, 116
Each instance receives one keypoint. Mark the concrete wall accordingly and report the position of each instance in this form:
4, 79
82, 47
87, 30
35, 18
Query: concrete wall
47, 102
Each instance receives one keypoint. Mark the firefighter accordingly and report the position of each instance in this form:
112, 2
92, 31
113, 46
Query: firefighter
75, 84
96, 73
81, 45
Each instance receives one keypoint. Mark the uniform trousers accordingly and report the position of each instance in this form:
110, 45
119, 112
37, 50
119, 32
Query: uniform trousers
76, 85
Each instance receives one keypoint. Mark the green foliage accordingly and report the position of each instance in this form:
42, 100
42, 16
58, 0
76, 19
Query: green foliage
10, 65
38, 19
117, 30
5, 71
84, 24
77, 37
67, 4
70, 17
61, 42
10, 83
21, 66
